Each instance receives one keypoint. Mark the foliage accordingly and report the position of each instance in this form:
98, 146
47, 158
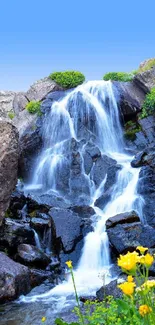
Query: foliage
131, 128
68, 79
118, 76
150, 64
11, 115
33, 107
148, 107
137, 305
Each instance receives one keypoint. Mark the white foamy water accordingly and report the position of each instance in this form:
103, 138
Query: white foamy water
64, 123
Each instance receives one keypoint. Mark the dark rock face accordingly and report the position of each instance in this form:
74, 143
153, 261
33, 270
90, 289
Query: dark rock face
14, 279
67, 228
31, 255
145, 80
109, 290
126, 237
127, 217
8, 164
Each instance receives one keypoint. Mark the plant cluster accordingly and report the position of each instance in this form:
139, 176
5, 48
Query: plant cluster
33, 107
137, 305
68, 79
148, 107
131, 128
118, 76
11, 115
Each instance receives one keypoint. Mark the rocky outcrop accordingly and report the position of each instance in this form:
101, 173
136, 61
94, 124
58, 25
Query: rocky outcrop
145, 80
127, 217
6, 103
14, 279
8, 164
41, 88
32, 256
110, 289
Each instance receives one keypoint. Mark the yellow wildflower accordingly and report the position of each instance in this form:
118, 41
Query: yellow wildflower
149, 284
130, 278
147, 260
142, 249
43, 319
144, 310
128, 261
69, 264
127, 288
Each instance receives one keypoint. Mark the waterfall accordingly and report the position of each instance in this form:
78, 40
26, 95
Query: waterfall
37, 240
92, 108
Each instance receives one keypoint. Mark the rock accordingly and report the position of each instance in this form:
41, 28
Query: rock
145, 80
19, 102
109, 290
31, 255
130, 98
40, 224
102, 201
102, 166
25, 121
84, 211
8, 164
39, 90
39, 276
148, 128
6, 103
126, 237
15, 233
138, 159
67, 226
126, 217
14, 279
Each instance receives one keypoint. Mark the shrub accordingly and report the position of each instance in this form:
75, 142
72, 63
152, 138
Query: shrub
34, 107
118, 76
148, 107
11, 115
68, 79
131, 128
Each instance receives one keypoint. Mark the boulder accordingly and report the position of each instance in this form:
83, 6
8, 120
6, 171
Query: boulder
19, 102
14, 279
126, 237
67, 228
32, 256
145, 80
105, 165
39, 90
110, 289
6, 103
121, 218
8, 164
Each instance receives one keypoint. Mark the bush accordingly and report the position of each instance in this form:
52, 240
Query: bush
118, 76
34, 107
68, 79
11, 115
131, 128
148, 107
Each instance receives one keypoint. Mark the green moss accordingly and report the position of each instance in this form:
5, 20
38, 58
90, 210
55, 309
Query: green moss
118, 76
11, 115
8, 214
33, 214
68, 79
148, 107
131, 128
33, 107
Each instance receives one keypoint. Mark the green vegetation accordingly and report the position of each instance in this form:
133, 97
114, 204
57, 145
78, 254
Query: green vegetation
118, 76
136, 305
34, 107
11, 115
148, 107
131, 128
68, 79
149, 64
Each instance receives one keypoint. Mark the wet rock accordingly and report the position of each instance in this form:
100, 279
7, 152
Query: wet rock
39, 276
103, 199
67, 226
14, 279
14, 233
126, 237
148, 128
103, 166
73, 256
40, 224
109, 290
127, 217
84, 211
8, 164
138, 159
31, 255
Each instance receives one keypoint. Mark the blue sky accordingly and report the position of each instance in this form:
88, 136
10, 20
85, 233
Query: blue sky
94, 37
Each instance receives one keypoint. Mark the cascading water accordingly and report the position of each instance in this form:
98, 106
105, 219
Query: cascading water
97, 120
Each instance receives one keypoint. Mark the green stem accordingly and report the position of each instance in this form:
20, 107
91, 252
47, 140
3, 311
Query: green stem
77, 298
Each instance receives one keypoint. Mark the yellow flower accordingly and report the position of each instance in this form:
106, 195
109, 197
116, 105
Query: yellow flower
130, 278
128, 261
127, 288
43, 319
147, 260
149, 284
144, 310
69, 264
142, 249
